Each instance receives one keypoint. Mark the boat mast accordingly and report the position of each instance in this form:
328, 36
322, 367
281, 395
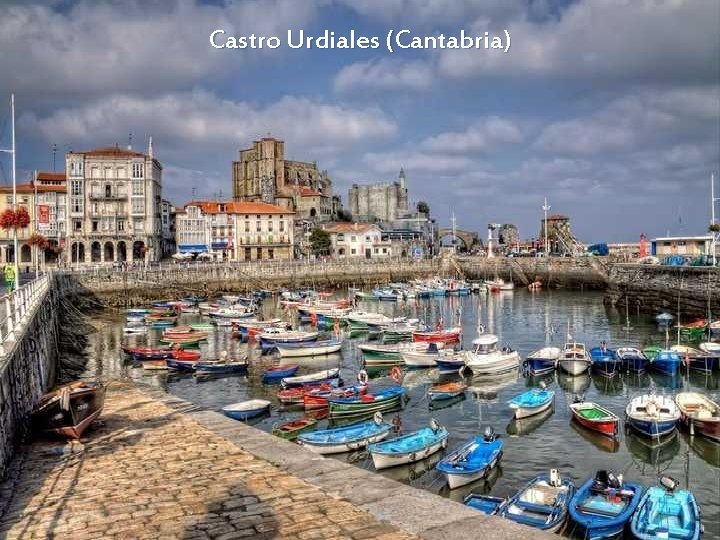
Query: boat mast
715, 234
545, 208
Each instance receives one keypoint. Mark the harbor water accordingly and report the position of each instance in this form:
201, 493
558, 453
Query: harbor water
522, 320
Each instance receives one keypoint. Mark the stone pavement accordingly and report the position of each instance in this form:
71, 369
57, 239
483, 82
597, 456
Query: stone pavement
147, 471
155, 466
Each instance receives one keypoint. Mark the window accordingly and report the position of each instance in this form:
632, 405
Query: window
271, 253
75, 187
137, 170
121, 225
94, 226
353, 251
282, 225
76, 205
259, 254
76, 168
77, 224
384, 250
367, 238
247, 226
248, 252
258, 226
108, 191
376, 251
353, 238
270, 226
138, 188
138, 206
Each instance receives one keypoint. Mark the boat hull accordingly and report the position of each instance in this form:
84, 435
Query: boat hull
295, 352
524, 412
574, 366
502, 363
538, 366
385, 459
586, 510
605, 426
329, 446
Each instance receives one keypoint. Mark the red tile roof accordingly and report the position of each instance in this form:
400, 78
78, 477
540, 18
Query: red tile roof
50, 176
557, 217
343, 227
112, 151
212, 207
309, 192
31, 188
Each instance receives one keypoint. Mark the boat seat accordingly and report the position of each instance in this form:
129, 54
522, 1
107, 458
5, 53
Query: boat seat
704, 414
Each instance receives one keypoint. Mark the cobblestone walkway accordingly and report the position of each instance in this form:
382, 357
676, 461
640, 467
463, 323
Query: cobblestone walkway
147, 471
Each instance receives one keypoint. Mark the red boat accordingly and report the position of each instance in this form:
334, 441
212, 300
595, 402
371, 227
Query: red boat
147, 353
295, 395
595, 417
451, 335
317, 398
187, 356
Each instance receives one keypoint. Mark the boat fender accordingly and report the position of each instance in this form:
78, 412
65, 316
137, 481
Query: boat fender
378, 418
362, 377
443, 444
434, 424
413, 456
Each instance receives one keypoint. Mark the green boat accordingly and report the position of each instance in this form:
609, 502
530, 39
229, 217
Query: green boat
651, 352
202, 326
383, 400
367, 297
290, 430
374, 353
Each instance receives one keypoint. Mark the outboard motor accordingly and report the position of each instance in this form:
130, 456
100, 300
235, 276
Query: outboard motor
613, 482
489, 434
601, 482
555, 478
669, 483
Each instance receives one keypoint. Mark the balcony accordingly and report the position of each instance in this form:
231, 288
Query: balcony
103, 197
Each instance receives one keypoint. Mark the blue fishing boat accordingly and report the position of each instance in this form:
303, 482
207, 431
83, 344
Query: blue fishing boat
382, 400
603, 505
542, 503
221, 368
652, 415
347, 438
542, 360
632, 359
331, 376
277, 373
180, 365
666, 512
449, 362
246, 409
667, 362
409, 448
604, 361
532, 402
473, 460
486, 504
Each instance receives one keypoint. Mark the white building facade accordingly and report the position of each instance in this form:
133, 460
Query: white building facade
357, 240
113, 206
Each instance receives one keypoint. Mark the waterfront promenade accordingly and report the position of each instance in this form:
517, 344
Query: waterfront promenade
157, 467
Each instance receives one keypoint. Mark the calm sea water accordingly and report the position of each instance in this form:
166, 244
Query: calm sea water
522, 320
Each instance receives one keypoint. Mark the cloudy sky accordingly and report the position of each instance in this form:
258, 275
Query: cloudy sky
609, 108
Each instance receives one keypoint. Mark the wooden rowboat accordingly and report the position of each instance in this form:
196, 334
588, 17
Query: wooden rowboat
595, 417
290, 430
446, 390
69, 410
700, 414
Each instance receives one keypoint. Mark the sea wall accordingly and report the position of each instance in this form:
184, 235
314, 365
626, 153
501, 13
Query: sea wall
139, 286
655, 288
555, 272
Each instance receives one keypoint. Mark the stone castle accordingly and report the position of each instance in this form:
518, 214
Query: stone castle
384, 202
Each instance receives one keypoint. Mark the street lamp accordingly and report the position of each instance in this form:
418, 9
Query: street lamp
714, 233
14, 198
545, 208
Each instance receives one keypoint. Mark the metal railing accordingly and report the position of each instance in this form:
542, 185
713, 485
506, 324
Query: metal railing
16, 307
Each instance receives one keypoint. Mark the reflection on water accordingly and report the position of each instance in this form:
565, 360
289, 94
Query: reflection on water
525, 426
521, 320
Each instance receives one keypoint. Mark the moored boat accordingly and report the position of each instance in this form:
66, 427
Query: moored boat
574, 359
222, 366
604, 361
666, 362
294, 395
148, 353
451, 335
603, 505
317, 377
542, 360
246, 409
697, 359
652, 415
346, 438
382, 400
409, 448
542, 503
277, 373
632, 358
292, 429
700, 414
473, 460
317, 397
667, 512
316, 348
69, 410
448, 390
531, 402
596, 418
486, 359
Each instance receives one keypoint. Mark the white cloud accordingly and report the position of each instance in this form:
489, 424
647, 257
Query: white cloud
435, 11
643, 119
137, 46
416, 162
481, 136
201, 125
384, 74
653, 40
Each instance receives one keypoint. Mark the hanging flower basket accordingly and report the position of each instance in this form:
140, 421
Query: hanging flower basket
14, 219
37, 240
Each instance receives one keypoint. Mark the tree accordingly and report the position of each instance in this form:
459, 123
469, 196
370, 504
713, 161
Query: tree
320, 242
423, 208
344, 215
715, 227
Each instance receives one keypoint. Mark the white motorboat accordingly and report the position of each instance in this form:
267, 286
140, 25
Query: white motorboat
309, 349
486, 359
574, 359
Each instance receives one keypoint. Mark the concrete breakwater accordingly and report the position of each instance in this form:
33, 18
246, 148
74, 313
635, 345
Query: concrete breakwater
660, 288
